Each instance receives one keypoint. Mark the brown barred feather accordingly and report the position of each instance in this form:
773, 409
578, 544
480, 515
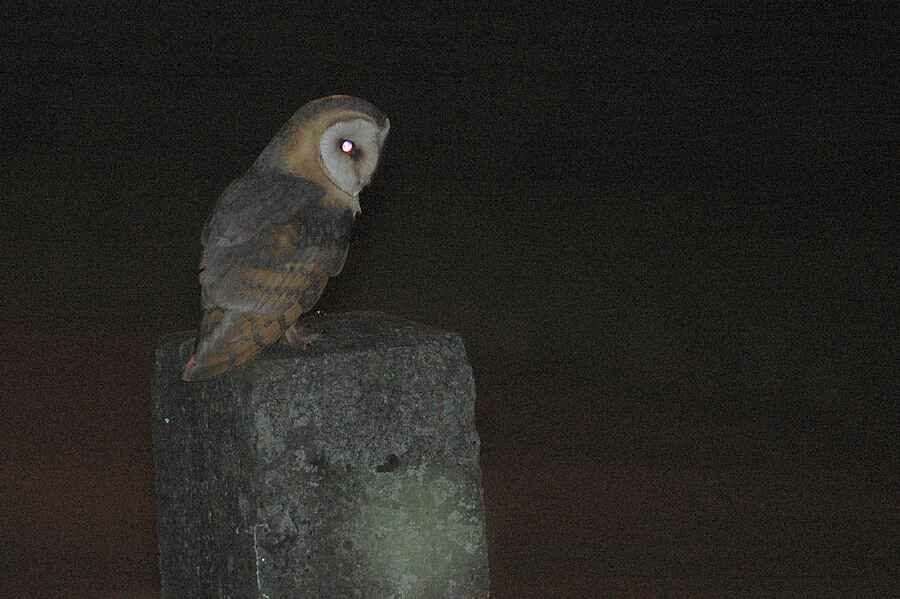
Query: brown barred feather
242, 337
229, 338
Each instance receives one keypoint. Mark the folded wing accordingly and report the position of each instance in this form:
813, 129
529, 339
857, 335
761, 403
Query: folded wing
270, 247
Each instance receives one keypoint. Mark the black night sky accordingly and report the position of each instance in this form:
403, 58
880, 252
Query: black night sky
669, 240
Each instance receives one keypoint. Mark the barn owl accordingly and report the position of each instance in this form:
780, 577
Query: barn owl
281, 230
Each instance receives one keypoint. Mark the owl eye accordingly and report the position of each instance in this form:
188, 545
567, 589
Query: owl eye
348, 148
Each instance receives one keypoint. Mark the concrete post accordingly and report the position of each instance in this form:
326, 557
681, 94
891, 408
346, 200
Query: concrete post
346, 470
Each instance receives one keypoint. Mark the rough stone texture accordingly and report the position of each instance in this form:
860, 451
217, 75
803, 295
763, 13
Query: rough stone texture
346, 470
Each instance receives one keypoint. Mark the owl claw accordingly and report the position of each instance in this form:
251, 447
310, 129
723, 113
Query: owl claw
295, 336
188, 368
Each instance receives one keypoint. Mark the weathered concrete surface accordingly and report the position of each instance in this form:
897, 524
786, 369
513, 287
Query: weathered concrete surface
346, 470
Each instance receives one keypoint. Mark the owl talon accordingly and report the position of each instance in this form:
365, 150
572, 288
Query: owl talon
189, 369
295, 336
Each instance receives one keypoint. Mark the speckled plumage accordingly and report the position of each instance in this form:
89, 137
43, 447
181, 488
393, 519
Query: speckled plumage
280, 231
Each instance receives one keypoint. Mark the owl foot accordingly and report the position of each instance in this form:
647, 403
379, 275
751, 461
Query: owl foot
296, 336
189, 369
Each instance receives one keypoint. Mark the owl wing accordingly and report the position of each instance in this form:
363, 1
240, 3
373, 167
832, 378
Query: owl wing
253, 202
269, 248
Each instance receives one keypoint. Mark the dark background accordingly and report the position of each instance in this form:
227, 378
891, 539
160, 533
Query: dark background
669, 240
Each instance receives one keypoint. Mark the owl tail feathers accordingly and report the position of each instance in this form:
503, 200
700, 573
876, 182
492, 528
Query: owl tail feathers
229, 340
191, 373
197, 370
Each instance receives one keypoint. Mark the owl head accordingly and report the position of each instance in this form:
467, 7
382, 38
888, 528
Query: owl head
335, 141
